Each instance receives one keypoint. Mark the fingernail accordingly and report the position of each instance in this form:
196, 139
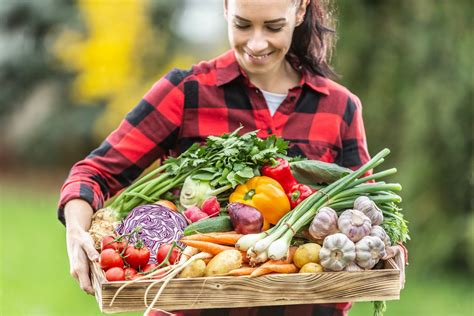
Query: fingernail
95, 258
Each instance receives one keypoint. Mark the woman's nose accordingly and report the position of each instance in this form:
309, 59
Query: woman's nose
257, 43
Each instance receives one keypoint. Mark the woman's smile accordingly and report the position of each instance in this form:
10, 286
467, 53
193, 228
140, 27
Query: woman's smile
257, 59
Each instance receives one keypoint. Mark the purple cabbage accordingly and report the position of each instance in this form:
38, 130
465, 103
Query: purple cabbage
159, 225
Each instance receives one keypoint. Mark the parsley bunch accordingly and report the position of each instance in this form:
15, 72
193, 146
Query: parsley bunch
223, 161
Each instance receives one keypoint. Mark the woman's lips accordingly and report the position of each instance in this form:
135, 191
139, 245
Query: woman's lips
257, 59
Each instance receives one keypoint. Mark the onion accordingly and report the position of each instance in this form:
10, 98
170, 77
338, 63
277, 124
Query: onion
159, 225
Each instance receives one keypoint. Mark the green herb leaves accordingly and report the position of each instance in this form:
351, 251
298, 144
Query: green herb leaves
223, 162
228, 159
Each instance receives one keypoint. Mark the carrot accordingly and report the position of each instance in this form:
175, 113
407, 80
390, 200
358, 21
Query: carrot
241, 271
221, 238
260, 271
206, 246
278, 268
283, 268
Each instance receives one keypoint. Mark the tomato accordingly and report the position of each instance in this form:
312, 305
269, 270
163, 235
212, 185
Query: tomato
167, 204
163, 252
129, 273
115, 274
110, 258
149, 268
137, 257
136, 276
108, 242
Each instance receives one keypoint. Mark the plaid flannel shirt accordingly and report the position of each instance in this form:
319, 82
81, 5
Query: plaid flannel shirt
321, 120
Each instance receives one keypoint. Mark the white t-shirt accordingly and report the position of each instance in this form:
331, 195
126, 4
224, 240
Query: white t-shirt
273, 100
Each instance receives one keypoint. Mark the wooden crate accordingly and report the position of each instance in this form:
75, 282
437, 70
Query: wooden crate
267, 290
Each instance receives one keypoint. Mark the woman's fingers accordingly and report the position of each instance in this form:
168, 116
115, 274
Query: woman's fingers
88, 246
84, 280
81, 250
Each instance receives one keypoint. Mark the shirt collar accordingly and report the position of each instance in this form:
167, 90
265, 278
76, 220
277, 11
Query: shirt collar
228, 69
315, 82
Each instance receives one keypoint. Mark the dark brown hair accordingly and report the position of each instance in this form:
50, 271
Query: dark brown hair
313, 40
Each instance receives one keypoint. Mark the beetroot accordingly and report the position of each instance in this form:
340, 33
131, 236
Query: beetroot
245, 219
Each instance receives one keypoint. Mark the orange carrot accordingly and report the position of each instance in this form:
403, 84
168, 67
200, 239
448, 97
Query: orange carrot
283, 268
221, 238
278, 268
241, 271
206, 246
260, 271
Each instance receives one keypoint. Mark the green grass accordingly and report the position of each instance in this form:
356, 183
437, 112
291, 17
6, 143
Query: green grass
35, 279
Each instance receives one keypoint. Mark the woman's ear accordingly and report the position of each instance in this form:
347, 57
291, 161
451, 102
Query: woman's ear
300, 13
225, 9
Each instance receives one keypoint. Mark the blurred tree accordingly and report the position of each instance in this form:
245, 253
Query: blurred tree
110, 54
410, 62
120, 55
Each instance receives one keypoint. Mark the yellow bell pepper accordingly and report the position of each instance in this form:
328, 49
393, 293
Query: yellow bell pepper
266, 195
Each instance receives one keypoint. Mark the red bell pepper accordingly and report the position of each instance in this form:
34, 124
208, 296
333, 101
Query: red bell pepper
281, 172
298, 193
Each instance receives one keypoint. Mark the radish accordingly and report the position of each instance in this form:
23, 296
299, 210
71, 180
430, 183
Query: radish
211, 206
194, 214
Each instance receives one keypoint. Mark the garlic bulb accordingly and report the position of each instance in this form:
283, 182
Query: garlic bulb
324, 223
354, 224
353, 267
378, 231
370, 209
369, 250
337, 252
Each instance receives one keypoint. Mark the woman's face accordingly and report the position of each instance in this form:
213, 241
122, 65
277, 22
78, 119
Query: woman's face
260, 32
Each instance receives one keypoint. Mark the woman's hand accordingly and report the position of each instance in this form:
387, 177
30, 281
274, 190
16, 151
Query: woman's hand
80, 246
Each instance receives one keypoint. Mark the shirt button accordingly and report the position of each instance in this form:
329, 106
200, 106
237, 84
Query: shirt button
257, 91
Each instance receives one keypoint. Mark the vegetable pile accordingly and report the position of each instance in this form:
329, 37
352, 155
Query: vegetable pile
238, 206
218, 166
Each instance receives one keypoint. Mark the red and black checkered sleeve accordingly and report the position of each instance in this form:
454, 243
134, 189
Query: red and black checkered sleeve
354, 143
147, 133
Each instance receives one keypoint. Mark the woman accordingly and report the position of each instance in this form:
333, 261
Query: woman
274, 78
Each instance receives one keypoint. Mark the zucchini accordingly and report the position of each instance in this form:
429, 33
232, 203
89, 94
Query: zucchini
209, 225
314, 172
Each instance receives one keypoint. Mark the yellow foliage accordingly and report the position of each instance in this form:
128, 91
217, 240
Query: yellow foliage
108, 60
105, 60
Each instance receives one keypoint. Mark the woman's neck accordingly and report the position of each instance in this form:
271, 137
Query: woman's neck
279, 80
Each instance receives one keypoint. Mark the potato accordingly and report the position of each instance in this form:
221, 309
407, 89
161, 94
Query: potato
224, 262
306, 253
195, 269
311, 267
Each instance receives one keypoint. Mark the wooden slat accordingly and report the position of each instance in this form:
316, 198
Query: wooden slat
275, 289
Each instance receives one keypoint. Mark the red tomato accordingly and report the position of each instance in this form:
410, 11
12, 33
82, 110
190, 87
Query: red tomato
108, 242
149, 268
110, 258
163, 252
136, 276
137, 257
115, 274
129, 273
